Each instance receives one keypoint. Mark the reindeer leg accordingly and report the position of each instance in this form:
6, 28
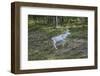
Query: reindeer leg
63, 43
54, 43
55, 46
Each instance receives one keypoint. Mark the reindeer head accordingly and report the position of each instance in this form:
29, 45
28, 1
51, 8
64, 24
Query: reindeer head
67, 32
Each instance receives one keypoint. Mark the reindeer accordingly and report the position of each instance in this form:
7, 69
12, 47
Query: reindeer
60, 38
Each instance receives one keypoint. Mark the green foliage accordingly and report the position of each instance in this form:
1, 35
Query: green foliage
42, 28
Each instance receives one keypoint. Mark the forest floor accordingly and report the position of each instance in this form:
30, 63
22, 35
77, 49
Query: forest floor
40, 47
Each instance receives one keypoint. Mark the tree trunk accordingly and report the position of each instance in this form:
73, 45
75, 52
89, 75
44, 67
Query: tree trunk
56, 21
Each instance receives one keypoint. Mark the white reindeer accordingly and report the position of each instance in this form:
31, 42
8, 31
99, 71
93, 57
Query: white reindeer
60, 38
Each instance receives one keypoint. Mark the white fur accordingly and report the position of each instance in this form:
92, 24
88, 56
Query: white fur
60, 38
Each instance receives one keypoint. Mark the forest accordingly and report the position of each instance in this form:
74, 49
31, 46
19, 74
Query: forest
41, 28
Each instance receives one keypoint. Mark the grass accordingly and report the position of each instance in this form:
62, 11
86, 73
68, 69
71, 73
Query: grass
40, 45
